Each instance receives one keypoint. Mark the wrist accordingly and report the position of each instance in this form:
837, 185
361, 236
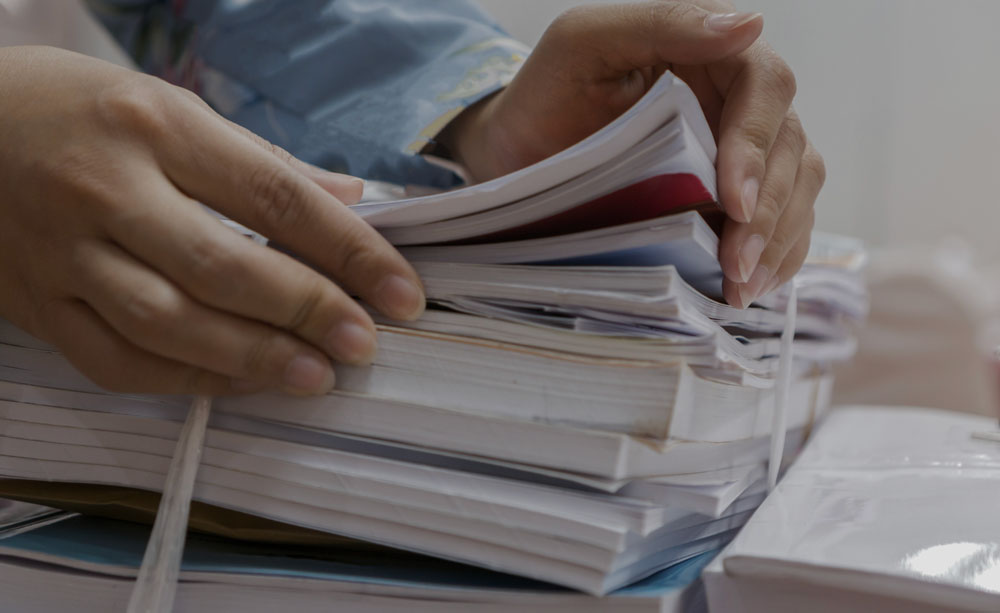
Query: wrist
472, 140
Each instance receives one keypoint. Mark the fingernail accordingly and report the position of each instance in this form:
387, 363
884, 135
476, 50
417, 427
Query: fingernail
750, 290
400, 298
247, 386
748, 197
350, 190
356, 189
307, 375
727, 22
750, 255
351, 342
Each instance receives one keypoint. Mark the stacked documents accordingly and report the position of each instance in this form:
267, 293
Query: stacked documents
577, 406
887, 509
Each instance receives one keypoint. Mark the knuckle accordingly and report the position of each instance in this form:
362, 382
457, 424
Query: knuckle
356, 251
794, 134
265, 356
755, 135
569, 20
193, 98
766, 217
713, 6
781, 77
278, 198
308, 304
813, 163
214, 264
263, 143
273, 149
776, 191
780, 243
138, 106
664, 18
791, 246
151, 310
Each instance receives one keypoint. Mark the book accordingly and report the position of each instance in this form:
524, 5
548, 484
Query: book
652, 399
669, 102
599, 459
592, 541
665, 173
887, 508
683, 240
88, 563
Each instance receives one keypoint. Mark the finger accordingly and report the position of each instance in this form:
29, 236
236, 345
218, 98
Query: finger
796, 221
743, 243
349, 190
801, 217
110, 361
647, 34
793, 224
345, 188
223, 270
758, 94
264, 193
159, 318
791, 265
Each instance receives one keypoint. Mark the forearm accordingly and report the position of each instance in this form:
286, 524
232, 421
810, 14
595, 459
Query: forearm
360, 87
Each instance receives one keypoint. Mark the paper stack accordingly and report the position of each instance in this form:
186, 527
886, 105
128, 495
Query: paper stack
888, 509
88, 563
576, 407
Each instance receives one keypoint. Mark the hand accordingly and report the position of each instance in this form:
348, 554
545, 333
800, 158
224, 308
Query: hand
596, 61
106, 253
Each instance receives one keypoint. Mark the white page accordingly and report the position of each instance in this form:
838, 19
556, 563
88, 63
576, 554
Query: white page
668, 98
670, 150
885, 501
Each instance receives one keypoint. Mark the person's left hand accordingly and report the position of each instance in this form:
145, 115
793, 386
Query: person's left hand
596, 61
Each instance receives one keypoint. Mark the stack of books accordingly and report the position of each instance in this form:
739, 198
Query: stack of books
577, 407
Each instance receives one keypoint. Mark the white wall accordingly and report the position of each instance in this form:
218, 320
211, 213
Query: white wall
902, 97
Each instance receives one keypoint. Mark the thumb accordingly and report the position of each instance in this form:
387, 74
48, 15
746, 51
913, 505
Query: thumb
629, 36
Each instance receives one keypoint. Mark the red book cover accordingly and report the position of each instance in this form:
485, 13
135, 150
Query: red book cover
650, 198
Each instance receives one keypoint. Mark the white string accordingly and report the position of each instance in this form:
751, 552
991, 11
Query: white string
782, 386
156, 584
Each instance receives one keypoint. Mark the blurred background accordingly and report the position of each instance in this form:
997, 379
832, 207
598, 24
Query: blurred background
900, 98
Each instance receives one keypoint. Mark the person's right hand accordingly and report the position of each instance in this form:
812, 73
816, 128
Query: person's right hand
106, 253
594, 62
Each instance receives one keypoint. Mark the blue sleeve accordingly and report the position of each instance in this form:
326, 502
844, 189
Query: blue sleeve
356, 86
